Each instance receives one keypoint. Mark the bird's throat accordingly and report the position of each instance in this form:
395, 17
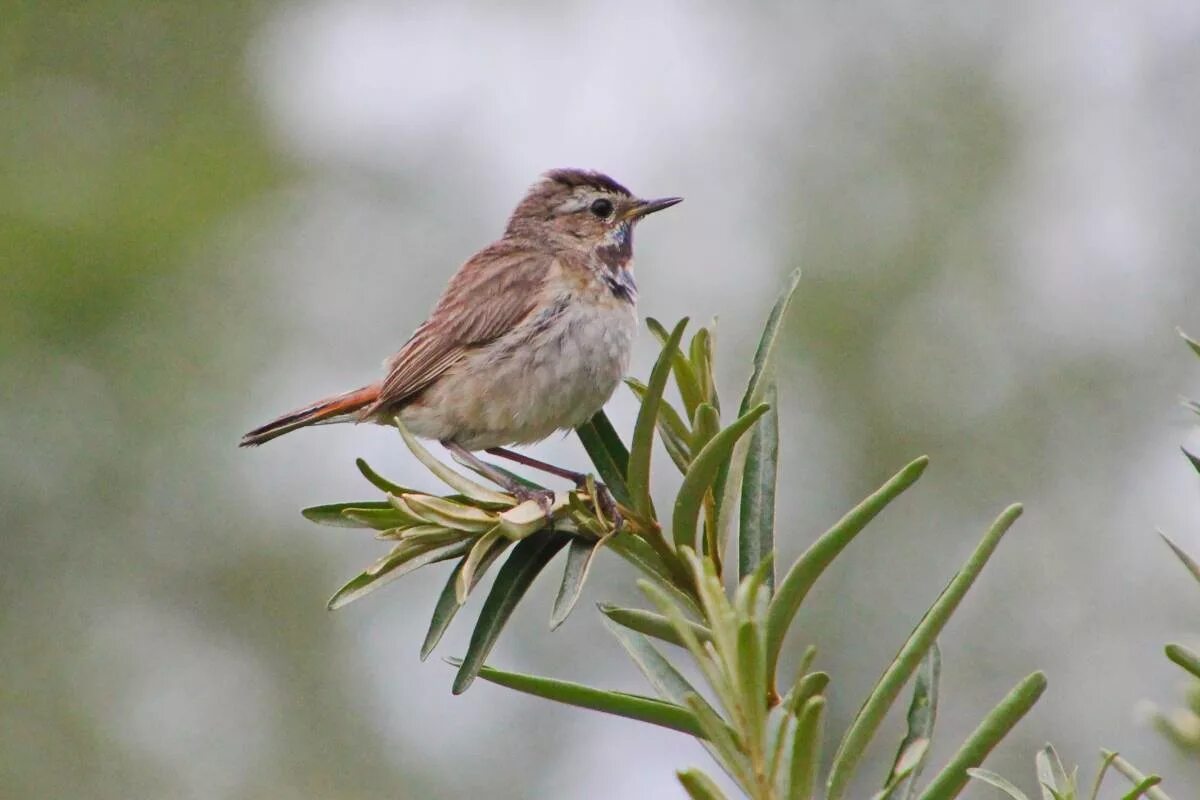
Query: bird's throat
615, 255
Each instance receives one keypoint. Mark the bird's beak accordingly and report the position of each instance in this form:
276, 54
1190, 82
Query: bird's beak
643, 207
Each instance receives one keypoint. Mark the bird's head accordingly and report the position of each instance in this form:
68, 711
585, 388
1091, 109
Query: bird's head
581, 209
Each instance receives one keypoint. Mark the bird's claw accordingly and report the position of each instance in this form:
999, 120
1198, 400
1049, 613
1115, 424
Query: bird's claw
543, 497
605, 503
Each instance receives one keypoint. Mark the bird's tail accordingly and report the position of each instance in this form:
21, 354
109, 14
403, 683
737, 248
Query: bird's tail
327, 410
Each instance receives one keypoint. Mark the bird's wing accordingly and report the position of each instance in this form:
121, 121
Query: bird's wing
489, 296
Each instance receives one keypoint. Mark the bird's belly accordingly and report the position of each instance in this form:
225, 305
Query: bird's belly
546, 376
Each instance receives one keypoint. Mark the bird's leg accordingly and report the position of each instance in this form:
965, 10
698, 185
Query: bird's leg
543, 497
577, 478
604, 499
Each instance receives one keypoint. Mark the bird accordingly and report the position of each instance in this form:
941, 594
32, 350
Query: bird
531, 336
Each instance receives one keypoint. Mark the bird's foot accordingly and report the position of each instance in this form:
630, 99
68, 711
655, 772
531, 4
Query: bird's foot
605, 503
543, 497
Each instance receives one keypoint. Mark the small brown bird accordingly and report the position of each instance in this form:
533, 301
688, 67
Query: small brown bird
532, 335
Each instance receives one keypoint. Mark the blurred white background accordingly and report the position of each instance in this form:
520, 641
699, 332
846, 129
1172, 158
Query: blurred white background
213, 214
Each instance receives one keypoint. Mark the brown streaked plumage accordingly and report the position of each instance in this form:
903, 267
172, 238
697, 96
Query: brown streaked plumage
532, 334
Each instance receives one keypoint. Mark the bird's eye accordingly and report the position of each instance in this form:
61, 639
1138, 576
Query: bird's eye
602, 208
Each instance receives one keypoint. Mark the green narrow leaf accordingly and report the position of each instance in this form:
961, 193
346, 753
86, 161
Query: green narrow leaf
401, 565
673, 687
1143, 788
804, 573
455, 480
671, 428
698, 785
443, 612
766, 344
706, 423
484, 546
399, 515
662, 675
992, 779
611, 440
333, 514
701, 356
1051, 774
423, 535
922, 714
781, 735
723, 741
579, 561
680, 456
1185, 658
652, 624
1104, 765
608, 454
748, 600
1182, 555
806, 687
701, 474
641, 555
1192, 457
1134, 775
685, 378
448, 604
807, 659
378, 481
728, 483
448, 514
806, 749
752, 680
528, 558
953, 778
873, 710
908, 760
756, 532
727, 491
1192, 343
621, 704
603, 462
638, 476
718, 660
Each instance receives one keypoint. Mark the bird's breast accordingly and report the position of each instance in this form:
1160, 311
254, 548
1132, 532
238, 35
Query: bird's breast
581, 360
551, 373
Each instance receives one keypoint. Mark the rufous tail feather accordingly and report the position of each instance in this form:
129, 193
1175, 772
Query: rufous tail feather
314, 414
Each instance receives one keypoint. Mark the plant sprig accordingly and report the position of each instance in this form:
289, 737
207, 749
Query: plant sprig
732, 627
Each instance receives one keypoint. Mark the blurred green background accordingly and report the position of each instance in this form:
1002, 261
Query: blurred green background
213, 212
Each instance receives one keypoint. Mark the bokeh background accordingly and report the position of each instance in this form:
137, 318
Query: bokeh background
212, 212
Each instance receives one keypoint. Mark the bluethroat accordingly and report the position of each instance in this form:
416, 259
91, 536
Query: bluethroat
531, 336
